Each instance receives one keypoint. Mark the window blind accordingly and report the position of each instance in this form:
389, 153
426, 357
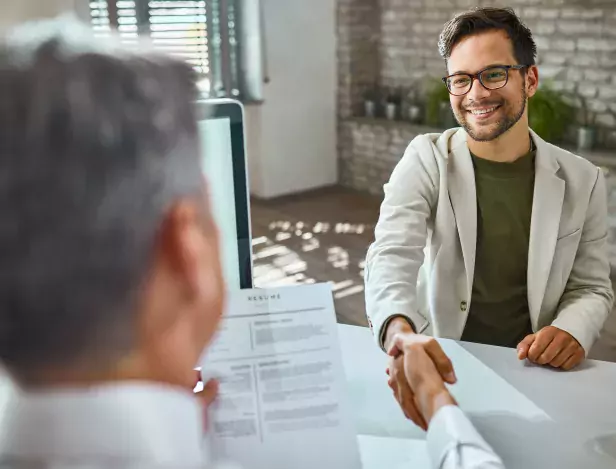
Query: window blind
201, 32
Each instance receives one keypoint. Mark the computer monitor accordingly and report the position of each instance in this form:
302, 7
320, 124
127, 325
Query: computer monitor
221, 128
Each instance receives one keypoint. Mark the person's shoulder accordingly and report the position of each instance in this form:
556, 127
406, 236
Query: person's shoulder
434, 139
573, 164
434, 146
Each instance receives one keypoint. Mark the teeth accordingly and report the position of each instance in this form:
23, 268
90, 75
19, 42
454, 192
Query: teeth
478, 112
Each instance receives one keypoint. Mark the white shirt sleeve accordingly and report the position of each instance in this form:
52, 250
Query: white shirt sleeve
454, 443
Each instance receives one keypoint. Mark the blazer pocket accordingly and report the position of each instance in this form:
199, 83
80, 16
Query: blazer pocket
570, 235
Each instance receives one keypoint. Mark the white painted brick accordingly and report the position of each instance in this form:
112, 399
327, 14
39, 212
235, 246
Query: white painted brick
549, 14
587, 90
545, 27
542, 42
529, 13
597, 106
567, 45
607, 92
595, 45
575, 74
555, 58
592, 14
552, 71
585, 60
575, 27
606, 120
571, 13
597, 75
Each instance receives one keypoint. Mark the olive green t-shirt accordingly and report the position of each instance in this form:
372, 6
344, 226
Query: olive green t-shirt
499, 313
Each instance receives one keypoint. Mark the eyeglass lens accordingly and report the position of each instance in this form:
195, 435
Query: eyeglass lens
492, 78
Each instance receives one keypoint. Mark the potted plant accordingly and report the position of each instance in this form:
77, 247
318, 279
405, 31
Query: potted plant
587, 132
549, 113
413, 106
438, 107
371, 98
392, 104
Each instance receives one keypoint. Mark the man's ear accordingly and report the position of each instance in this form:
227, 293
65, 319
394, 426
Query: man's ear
184, 246
532, 80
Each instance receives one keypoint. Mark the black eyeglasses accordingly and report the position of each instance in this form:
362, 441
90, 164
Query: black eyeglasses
491, 78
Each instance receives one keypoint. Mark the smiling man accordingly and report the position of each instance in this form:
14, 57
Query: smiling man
487, 233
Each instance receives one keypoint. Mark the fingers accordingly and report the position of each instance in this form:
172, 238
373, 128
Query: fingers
565, 354
542, 340
524, 346
404, 395
396, 346
574, 360
209, 393
402, 343
441, 361
558, 344
552, 346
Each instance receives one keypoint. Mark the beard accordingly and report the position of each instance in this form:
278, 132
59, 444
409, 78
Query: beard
512, 115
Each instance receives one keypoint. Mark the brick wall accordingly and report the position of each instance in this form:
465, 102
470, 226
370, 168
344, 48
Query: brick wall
576, 44
359, 26
394, 43
371, 150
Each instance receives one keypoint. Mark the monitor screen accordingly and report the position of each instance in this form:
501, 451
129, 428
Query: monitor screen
224, 165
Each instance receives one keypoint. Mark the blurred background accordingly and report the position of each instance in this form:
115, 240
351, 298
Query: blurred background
334, 90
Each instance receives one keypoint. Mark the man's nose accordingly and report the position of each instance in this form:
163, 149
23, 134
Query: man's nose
477, 92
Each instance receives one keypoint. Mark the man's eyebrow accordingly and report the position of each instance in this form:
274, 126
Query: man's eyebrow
459, 72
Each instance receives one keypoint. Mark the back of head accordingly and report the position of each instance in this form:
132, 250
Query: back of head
95, 143
484, 19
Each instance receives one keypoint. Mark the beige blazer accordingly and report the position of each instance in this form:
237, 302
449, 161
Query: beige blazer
422, 262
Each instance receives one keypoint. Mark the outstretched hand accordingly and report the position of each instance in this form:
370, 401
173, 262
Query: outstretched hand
418, 371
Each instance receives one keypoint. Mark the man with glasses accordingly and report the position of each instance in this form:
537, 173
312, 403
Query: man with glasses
488, 233
111, 278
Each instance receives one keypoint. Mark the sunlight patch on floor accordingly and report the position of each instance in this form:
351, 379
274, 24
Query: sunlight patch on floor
283, 257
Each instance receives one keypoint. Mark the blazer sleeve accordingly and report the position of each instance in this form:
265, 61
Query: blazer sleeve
588, 295
394, 259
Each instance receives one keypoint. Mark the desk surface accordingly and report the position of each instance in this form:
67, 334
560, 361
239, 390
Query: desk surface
534, 417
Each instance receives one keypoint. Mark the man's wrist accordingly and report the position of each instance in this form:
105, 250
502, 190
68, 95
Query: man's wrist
434, 402
396, 325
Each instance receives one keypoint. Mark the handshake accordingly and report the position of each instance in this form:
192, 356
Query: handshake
419, 369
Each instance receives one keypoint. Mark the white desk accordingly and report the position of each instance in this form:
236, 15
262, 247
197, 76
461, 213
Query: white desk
534, 417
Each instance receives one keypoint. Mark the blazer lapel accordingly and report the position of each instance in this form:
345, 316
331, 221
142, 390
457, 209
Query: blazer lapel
462, 194
548, 198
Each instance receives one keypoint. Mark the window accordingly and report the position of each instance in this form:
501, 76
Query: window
204, 33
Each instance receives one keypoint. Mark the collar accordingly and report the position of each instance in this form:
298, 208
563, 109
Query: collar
137, 422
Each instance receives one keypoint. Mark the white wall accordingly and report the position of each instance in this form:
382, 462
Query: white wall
292, 135
16, 11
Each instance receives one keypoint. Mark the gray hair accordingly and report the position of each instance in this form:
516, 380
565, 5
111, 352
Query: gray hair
95, 145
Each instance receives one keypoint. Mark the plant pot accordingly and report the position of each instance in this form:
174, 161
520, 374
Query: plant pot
391, 111
414, 114
586, 138
369, 108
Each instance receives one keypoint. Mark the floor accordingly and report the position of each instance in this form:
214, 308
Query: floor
323, 236
319, 236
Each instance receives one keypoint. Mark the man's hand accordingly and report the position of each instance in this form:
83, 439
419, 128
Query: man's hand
207, 396
417, 373
552, 346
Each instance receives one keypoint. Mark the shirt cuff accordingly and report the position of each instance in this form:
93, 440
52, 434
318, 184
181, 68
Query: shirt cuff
386, 324
450, 431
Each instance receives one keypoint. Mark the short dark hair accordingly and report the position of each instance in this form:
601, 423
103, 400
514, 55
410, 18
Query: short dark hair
95, 145
488, 19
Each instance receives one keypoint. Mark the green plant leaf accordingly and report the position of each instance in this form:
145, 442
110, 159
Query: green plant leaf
549, 113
